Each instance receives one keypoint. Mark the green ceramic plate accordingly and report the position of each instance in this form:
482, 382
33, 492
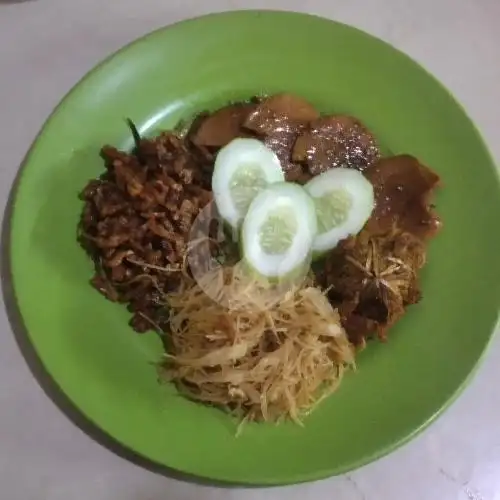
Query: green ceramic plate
105, 369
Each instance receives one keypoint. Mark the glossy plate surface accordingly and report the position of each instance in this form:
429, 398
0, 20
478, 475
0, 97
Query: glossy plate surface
105, 369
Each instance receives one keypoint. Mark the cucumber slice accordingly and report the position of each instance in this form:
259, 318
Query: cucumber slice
344, 200
278, 230
242, 169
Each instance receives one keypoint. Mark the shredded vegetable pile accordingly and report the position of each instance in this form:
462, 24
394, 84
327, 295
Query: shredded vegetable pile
254, 349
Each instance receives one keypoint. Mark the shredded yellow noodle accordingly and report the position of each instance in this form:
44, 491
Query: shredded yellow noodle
252, 348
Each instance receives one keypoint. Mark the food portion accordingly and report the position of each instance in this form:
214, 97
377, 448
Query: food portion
265, 245
215, 130
344, 200
136, 224
306, 142
257, 352
336, 141
372, 279
403, 193
279, 230
279, 120
242, 169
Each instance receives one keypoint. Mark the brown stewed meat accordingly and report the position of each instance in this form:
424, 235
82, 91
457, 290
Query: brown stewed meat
403, 188
221, 127
335, 141
278, 108
306, 143
279, 120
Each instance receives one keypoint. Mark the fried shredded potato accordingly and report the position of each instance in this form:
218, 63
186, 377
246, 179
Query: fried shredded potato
260, 351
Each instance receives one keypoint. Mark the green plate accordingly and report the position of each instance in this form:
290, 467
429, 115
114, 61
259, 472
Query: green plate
106, 370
